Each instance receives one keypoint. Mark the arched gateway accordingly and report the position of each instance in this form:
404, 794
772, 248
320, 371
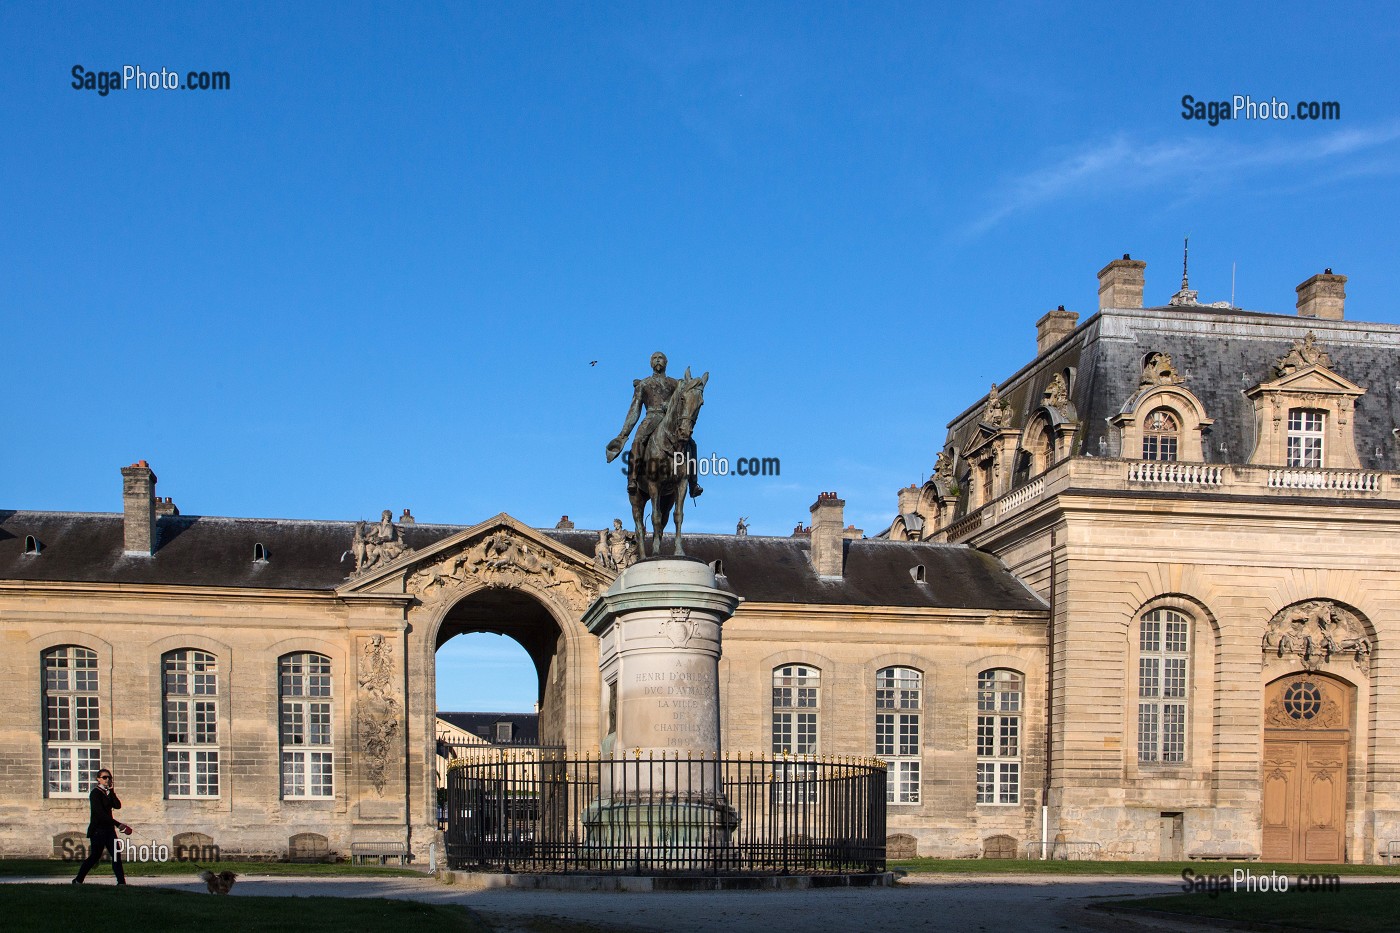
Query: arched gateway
499, 576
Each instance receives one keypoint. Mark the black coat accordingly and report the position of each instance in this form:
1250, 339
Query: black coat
102, 824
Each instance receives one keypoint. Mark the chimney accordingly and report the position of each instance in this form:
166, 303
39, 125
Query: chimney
909, 500
139, 509
1322, 296
828, 531
1054, 327
1120, 283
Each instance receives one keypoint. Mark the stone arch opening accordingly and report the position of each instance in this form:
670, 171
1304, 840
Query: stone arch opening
526, 620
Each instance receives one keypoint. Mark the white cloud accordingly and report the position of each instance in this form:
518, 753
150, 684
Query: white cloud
1121, 163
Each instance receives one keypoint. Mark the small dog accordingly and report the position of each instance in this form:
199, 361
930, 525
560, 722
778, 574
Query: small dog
218, 883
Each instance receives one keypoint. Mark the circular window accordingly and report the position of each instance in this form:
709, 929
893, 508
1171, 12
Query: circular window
1302, 700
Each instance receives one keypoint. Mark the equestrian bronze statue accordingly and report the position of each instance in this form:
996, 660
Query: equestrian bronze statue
661, 465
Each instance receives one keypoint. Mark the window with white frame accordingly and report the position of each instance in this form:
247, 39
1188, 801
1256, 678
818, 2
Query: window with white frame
72, 731
1305, 433
999, 736
191, 724
1161, 435
308, 743
898, 707
796, 694
1164, 652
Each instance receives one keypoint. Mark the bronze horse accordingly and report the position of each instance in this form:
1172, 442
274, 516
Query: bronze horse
662, 465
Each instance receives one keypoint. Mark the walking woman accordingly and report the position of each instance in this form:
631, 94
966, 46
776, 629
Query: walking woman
103, 827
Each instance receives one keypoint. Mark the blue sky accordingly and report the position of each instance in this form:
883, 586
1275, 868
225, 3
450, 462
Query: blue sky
373, 274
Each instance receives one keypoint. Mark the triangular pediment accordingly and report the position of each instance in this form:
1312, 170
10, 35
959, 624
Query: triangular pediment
1310, 379
984, 435
499, 552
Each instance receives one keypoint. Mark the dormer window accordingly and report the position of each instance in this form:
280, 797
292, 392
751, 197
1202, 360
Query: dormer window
1306, 429
505, 731
259, 554
1161, 436
919, 574
32, 547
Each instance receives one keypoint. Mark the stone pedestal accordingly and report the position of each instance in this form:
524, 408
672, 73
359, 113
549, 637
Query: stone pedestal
661, 800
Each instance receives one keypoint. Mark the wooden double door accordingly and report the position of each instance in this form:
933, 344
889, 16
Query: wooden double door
1307, 743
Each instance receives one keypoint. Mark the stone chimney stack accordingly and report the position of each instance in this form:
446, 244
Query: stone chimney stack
139, 509
828, 532
1054, 327
909, 500
1322, 296
1120, 283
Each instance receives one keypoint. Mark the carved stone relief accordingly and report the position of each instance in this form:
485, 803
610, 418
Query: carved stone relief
1056, 393
1304, 353
679, 629
377, 710
1158, 370
376, 545
998, 411
617, 549
1317, 632
503, 560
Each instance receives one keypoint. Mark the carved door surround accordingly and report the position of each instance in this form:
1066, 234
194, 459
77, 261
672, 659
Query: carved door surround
1307, 746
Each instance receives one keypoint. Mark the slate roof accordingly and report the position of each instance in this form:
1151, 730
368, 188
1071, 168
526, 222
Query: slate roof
526, 729
312, 556
1221, 352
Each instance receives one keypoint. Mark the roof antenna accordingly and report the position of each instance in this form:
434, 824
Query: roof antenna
1232, 285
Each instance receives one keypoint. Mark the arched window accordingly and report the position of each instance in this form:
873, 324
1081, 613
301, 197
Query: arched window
1306, 428
72, 731
308, 740
795, 696
191, 724
898, 708
999, 736
1164, 641
1161, 435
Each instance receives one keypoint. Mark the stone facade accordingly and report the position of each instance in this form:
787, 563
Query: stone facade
1144, 608
1234, 472
241, 599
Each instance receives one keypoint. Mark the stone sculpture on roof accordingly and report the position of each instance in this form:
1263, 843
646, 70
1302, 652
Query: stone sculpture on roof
1301, 355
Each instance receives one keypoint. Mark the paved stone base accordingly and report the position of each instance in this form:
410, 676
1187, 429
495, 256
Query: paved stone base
481, 881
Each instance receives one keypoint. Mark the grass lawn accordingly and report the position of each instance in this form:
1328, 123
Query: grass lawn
66, 908
45, 868
1359, 908
979, 866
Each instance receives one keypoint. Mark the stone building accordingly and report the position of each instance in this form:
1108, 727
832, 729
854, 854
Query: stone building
1207, 498
1142, 608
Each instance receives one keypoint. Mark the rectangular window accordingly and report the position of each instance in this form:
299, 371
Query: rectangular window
72, 728
191, 724
306, 727
1305, 435
1163, 671
999, 736
884, 734
902, 782
898, 702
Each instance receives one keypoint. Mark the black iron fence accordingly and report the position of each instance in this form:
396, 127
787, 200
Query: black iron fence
541, 811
